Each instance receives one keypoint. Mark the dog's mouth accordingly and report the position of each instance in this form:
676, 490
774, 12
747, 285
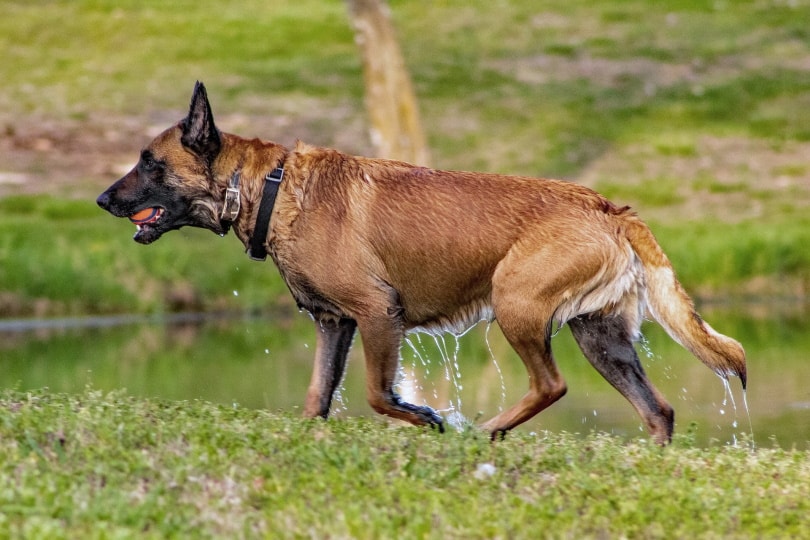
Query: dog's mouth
147, 216
146, 221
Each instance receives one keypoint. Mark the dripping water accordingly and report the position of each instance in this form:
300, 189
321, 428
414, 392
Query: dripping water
339, 401
560, 325
748, 414
453, 376
420, 354
409, 379
728, 395
497, 367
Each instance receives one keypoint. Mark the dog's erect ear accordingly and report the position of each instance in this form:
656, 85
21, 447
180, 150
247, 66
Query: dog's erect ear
200, 135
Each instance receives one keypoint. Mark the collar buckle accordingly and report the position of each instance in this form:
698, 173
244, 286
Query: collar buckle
233, 199
276, 175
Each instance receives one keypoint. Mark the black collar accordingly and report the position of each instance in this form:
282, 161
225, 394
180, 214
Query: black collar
256, 249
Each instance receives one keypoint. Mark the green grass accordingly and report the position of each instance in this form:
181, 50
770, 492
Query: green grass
66, 257
97, 465
657, 191
90, 54
721, 256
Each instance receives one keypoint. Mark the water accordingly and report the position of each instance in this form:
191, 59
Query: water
266, 363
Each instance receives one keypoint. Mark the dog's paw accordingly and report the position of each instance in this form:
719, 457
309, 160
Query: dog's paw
432, 418
425, 414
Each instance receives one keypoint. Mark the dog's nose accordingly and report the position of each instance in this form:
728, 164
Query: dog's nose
104, 200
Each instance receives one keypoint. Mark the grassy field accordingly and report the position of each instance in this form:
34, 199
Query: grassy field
98, 465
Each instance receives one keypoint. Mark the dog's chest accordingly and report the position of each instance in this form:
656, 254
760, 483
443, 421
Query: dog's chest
307, 296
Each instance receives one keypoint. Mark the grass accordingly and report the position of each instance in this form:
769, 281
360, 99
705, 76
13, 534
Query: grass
91, 54
56, 259
726, 256
98, 465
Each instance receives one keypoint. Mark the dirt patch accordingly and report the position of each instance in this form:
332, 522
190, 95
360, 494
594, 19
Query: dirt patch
39, 155
727, 178
77, 157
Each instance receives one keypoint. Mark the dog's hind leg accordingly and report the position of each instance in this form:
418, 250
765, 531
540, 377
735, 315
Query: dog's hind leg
546, 385
334, 339
606, 343
524, 302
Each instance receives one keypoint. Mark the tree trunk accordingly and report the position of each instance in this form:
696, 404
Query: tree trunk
396, 131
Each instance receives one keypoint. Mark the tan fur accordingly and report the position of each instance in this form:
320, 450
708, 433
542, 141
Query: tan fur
386, 247
675, 311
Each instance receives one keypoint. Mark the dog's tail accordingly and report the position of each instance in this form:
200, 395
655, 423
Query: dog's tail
674, 310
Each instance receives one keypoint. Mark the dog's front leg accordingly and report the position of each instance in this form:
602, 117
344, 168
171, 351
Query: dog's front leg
382, 339
334, 339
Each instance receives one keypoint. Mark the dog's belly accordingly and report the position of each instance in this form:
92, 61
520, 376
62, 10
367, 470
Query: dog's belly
456, 323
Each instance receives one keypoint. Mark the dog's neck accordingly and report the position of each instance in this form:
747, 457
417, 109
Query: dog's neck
250, 160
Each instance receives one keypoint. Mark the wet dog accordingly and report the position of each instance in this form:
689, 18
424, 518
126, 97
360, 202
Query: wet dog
385, 248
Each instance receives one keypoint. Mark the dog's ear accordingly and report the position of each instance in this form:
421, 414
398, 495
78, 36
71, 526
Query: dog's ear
200, 135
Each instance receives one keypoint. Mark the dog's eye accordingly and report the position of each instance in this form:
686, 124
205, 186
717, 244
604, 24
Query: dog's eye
148, 164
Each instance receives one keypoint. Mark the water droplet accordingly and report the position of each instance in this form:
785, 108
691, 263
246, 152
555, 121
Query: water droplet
457, 420
645, 346
340, 401
750, 425
497, 367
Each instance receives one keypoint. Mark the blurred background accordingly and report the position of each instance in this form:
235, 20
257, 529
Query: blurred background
695, 113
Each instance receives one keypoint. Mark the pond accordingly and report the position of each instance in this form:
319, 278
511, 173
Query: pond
266, 362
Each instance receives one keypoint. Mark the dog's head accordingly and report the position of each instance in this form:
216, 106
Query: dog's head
172, 185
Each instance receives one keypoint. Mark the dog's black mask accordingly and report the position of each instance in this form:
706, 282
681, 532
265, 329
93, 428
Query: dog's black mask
172, 186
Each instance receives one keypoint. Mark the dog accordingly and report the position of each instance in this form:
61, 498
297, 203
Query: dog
385, 248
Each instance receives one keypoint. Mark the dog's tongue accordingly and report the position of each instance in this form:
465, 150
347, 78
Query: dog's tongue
147, 215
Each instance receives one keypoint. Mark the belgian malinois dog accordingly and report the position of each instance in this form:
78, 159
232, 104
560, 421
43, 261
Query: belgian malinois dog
386, 247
